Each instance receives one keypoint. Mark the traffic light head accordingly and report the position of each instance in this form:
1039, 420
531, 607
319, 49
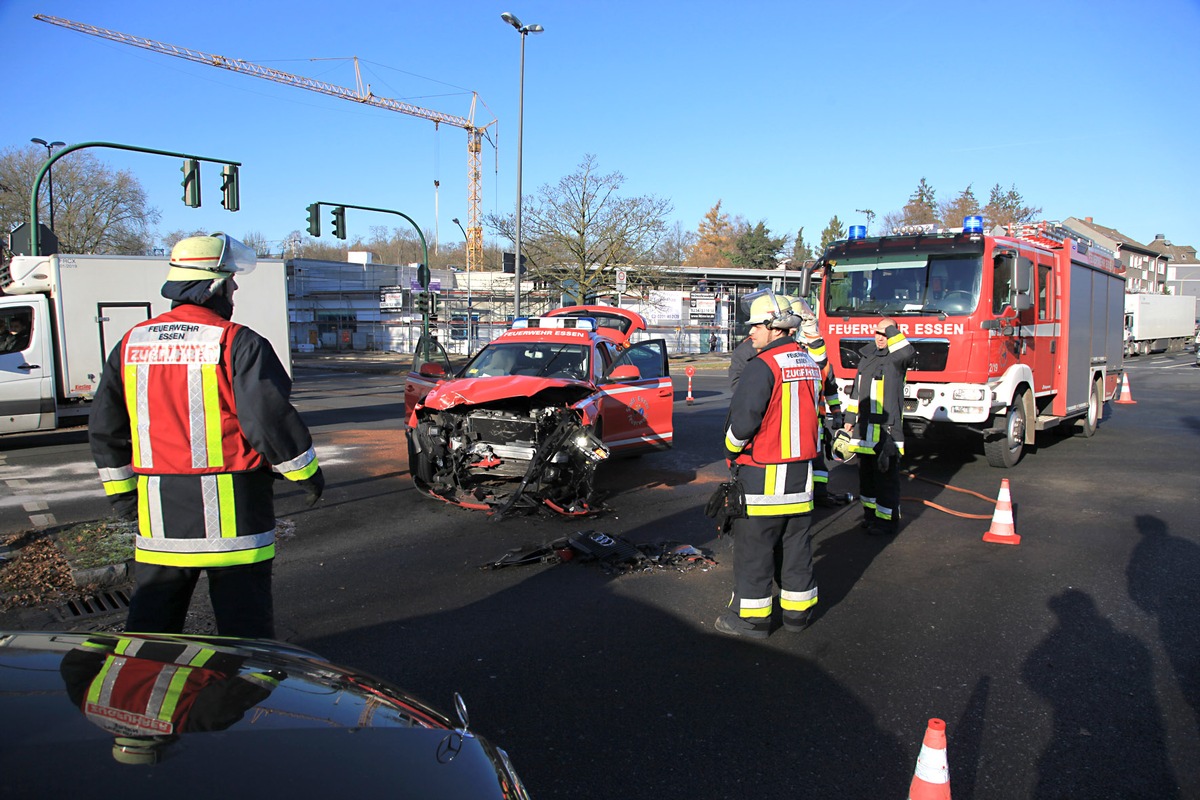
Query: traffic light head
421, 303
229, 188
314, 219
191, 182
339, 222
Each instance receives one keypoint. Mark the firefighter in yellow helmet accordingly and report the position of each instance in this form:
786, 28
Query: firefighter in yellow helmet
770, 442
808, 335
191, 423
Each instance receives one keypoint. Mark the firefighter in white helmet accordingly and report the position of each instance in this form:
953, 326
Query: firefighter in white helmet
190, 425
770, 442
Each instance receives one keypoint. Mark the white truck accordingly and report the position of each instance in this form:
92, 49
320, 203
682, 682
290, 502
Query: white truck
61, 315
1158, 322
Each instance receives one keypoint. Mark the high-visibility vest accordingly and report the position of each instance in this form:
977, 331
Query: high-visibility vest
149, 688
179, 392
200, 483
789, 426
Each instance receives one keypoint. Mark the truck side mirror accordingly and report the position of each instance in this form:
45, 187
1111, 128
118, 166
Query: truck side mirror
806, 281
1022, 301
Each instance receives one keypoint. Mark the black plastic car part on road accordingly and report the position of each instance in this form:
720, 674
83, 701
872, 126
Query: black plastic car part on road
135, 715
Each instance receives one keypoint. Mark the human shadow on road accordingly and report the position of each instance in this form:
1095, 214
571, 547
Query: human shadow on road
1108, 734
1164, 580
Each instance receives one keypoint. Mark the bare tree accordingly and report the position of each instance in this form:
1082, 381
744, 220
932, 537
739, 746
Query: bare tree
576, 233
96, 209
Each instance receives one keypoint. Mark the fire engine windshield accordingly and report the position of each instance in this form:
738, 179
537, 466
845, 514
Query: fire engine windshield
903, 284
541, 359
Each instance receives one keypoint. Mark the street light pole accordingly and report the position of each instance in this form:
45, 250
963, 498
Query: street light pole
49, 174
523, 30
470, 338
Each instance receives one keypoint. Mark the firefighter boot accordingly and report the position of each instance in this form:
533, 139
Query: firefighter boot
734, 625
796, 621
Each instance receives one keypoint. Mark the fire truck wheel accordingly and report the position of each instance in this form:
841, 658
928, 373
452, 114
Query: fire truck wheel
1006, 450
1091, 421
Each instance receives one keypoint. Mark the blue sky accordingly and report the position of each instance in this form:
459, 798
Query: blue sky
788, 112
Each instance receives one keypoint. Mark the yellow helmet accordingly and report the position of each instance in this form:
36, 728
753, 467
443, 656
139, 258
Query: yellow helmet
216, 257
767, 308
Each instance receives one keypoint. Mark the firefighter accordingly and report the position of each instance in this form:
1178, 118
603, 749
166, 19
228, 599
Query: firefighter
146, 693
770, 441
809, 336
875, 420
190, 426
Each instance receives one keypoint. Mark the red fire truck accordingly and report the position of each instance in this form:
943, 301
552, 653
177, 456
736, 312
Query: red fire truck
1015, 330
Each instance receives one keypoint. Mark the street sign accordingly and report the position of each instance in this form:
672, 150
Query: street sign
622, 280
690, 371
423, 275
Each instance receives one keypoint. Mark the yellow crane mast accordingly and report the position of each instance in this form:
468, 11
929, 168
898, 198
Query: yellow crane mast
475, 133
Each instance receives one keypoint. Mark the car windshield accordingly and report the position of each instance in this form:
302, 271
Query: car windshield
904, 284
540, 359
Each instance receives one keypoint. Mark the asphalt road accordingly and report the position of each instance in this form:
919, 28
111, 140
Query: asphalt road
1066, 666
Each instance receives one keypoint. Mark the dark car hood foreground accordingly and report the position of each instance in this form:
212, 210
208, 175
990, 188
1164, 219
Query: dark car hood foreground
321, 730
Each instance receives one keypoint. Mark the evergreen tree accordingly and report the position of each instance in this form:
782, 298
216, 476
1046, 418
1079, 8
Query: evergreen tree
964, 205
833, 231
1007, 208
921, 208
757, 248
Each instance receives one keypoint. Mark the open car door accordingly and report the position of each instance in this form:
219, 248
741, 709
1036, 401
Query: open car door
431, 366
638, 400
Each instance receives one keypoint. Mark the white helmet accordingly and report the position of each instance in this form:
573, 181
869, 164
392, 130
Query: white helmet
216, 257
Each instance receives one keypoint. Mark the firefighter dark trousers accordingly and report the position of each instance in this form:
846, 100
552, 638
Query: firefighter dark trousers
880, 492
240, 595
754, 544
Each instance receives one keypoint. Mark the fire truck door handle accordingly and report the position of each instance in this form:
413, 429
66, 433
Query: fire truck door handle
28, 367
1053, 345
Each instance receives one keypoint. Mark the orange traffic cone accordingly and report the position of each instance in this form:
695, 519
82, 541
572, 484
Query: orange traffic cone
931, 780
1002, 530
1126, 398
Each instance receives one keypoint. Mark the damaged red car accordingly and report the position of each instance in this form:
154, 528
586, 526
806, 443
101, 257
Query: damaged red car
526, 422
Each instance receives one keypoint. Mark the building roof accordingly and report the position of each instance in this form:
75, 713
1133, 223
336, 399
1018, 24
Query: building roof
1180, 254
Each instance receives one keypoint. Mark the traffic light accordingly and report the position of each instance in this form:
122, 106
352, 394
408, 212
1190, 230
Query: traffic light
191, 182
314, 219
339, 222
229, 188
421, 303
433, 307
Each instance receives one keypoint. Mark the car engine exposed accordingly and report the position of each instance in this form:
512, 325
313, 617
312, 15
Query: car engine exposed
518, 453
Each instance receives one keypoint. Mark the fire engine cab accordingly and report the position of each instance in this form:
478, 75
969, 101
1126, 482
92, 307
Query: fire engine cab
1015, 330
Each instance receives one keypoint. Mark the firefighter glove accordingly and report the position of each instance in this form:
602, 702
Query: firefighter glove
887, 454
314, 487
836, 421
125, 506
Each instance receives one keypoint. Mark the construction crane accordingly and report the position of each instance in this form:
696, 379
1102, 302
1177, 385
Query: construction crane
475, 133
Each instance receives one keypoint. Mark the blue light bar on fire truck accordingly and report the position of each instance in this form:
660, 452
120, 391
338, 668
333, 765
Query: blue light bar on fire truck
578, 323
973, 224
857, 232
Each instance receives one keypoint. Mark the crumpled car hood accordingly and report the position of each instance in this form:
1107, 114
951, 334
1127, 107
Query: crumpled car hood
477, 391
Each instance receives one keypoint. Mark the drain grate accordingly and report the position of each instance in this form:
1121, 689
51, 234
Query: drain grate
96, 605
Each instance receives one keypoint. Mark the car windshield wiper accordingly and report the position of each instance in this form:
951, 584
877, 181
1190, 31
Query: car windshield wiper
544, 371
